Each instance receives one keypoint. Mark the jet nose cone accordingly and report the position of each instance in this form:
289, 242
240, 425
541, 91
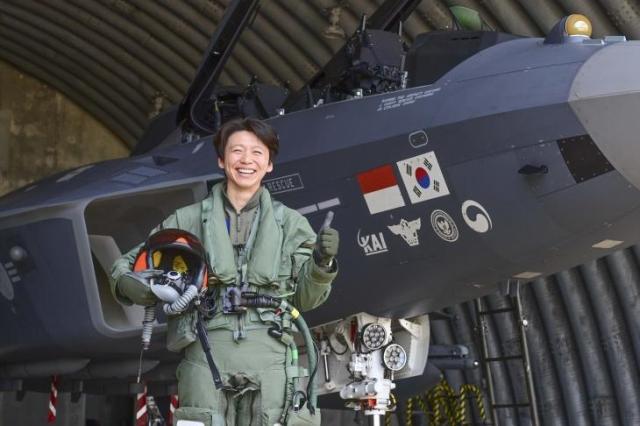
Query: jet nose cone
605, 96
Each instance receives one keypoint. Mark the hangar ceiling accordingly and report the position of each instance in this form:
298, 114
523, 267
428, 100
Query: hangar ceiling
125, 60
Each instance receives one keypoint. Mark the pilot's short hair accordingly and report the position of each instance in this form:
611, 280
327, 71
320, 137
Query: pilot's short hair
262, 130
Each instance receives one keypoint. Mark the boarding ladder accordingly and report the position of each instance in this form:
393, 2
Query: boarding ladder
512, 289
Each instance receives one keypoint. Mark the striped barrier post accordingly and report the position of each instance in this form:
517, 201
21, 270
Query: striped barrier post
53, 400
142, 417
174, 403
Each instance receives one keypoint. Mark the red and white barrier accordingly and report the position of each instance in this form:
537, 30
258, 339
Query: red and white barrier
174, 403
53, 400
142, 417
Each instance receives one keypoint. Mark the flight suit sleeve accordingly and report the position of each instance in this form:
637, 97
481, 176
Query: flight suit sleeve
125, 262
314, 282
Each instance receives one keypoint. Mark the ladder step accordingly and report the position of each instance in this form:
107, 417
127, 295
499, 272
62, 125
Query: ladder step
496, 311
503, 358
520, 405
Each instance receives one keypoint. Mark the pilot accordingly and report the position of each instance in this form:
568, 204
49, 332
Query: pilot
257, 244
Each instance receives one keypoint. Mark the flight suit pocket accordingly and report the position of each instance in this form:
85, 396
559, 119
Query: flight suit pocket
181, 330
193, 416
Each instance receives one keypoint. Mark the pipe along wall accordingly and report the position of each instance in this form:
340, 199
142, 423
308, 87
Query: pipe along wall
584, 342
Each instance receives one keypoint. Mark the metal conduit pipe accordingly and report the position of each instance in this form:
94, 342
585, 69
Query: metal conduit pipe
152, 48
550, 404
129, 51
463, 331
226, 79
299, 60
510, 345
563, 351
441, 333
243, 56
437, 14
625, 15
88, 92
601, 24
22, 33
24, 64
478, 6
615, 339
132, 45
309, 39
207, 27
171, 24
500, 370
235, 72
604, 411
512, 18
239, 75
545, 13
143, 18
131, 116
28, 10
255, 67
272, 60
71, 40
626, 280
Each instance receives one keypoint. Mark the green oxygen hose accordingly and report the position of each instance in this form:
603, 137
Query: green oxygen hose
253, 300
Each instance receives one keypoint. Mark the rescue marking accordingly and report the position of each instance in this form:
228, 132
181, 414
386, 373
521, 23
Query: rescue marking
422, 177
444, 226
372, 243
380, 189
283, 184
607, 244
481, 221
407, 230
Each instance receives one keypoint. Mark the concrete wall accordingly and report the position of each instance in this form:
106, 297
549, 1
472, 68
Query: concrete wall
42, 132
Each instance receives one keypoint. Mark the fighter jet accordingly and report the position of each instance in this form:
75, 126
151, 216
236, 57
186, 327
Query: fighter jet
465, 159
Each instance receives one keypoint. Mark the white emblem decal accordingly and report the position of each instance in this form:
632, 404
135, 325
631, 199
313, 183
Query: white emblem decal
422, 177
407, 230
444, 226
481, 221
372, 243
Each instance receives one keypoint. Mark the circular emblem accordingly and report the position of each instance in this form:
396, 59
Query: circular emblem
422, 176
479, 220
444, 226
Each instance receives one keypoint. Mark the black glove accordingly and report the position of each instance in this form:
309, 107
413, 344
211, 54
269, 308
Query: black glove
326, 246
135, 286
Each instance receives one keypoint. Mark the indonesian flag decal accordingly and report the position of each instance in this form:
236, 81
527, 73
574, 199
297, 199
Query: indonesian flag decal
423, 178
380, 189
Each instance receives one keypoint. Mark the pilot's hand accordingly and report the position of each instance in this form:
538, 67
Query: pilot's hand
326, 246
135, 286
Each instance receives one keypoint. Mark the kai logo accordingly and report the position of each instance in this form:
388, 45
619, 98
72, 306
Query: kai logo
372, 243
407, 230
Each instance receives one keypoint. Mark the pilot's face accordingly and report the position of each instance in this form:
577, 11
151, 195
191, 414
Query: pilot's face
246, 161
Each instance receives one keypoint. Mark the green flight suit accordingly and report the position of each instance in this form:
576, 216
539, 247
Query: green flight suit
279, 263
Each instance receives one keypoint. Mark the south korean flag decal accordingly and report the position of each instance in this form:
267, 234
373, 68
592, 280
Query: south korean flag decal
423, 178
